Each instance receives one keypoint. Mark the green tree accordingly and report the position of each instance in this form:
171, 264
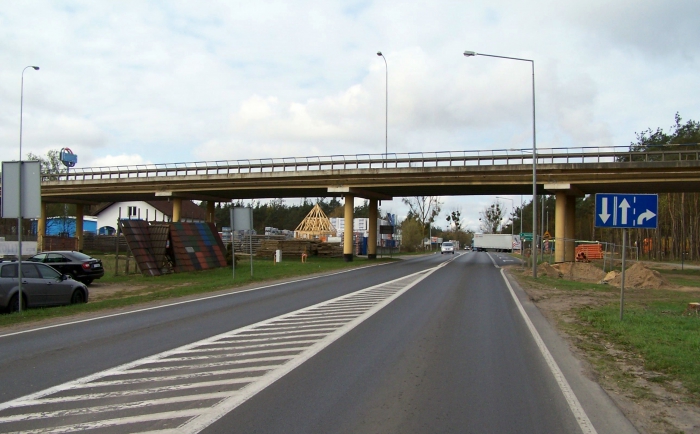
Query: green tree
423, 209
51, 163
412, 234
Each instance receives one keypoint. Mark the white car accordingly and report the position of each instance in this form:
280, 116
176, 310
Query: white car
447, 247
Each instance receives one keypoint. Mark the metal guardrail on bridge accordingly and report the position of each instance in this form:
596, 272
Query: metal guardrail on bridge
619, 154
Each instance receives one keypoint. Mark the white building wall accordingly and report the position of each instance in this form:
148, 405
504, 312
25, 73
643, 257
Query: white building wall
110, 215
360, 224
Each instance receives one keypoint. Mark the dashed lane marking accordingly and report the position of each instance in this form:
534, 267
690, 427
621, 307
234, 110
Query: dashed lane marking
186, 389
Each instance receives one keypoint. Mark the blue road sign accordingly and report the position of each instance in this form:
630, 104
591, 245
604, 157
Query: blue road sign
626, 211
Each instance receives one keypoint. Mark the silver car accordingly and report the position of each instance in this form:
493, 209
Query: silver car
41, 286
447, 247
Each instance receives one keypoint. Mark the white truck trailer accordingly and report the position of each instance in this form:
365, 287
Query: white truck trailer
493, 242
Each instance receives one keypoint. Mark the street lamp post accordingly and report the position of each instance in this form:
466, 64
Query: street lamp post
386, 107
512, 212
19, 187
534, 155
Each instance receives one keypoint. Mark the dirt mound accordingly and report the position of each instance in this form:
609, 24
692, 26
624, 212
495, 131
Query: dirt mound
610, 276
639, 277
547, 270
580, 271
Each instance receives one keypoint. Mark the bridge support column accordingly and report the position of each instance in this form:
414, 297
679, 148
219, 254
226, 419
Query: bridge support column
41, 228
177, 208
348, 244
211, 211
570, 230
79, 214
372, 238
564, 221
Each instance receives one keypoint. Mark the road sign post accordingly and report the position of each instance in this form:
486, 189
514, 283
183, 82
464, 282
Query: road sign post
626, 211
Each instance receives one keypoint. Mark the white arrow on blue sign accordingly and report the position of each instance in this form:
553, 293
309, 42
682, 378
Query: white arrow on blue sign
626, 211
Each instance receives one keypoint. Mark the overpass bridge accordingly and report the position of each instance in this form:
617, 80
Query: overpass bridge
564, 172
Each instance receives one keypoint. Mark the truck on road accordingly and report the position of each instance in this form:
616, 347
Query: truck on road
493, 242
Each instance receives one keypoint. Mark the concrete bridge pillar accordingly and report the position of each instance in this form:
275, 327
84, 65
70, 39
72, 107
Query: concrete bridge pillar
79, 214
41, 228
372, 238
347, 235
565, 223
177, 209
570, 229
211, 211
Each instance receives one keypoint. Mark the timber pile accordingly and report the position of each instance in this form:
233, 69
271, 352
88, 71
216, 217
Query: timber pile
290, 248
328, 250
242, 245
294, 248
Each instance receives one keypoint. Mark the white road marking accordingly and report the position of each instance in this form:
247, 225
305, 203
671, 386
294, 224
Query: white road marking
581, 417
264, 352
184, 302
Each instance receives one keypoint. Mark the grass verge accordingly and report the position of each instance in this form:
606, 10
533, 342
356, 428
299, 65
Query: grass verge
657, 341
658, 332
140, 289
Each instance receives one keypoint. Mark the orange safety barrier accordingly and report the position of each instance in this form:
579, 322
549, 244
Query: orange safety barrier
591, 251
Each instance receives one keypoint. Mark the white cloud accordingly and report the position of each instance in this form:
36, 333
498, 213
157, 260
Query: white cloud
131, 82
119, 160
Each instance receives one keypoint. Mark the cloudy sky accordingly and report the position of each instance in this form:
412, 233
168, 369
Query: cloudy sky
129, 82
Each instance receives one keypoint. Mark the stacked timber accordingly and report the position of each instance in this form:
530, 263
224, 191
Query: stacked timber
328, 250
293, 249
290, 248
242, 245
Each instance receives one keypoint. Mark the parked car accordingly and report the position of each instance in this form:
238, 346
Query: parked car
78, 265
41, 286
447, 247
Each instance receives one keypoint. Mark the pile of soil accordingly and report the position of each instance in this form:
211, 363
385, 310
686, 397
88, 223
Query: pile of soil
580, 271
638, 277
545, 269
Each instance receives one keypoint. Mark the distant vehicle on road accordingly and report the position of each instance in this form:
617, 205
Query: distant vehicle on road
78, 265
493, 242
447, 247
41, 286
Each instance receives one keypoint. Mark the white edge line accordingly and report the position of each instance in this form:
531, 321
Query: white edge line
583, 422
200, 422
492, 260
185, 301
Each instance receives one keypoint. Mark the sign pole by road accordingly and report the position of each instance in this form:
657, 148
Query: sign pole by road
622, 283
626, 211
241, 220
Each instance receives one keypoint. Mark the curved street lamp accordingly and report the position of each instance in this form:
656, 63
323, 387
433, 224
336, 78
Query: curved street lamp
386, 108
19, 187
534, 155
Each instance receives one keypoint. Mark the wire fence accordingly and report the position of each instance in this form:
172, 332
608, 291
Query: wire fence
611, 253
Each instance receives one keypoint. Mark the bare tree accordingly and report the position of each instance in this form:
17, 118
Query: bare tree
454, 220
491, 218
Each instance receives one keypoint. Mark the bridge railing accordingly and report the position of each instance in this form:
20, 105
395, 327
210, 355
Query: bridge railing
496, 157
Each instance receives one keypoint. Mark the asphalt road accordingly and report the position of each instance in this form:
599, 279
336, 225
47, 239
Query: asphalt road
430, 344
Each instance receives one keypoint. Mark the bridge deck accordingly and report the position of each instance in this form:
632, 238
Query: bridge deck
500, 172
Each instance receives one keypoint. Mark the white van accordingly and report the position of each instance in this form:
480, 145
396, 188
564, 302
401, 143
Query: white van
447, 247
